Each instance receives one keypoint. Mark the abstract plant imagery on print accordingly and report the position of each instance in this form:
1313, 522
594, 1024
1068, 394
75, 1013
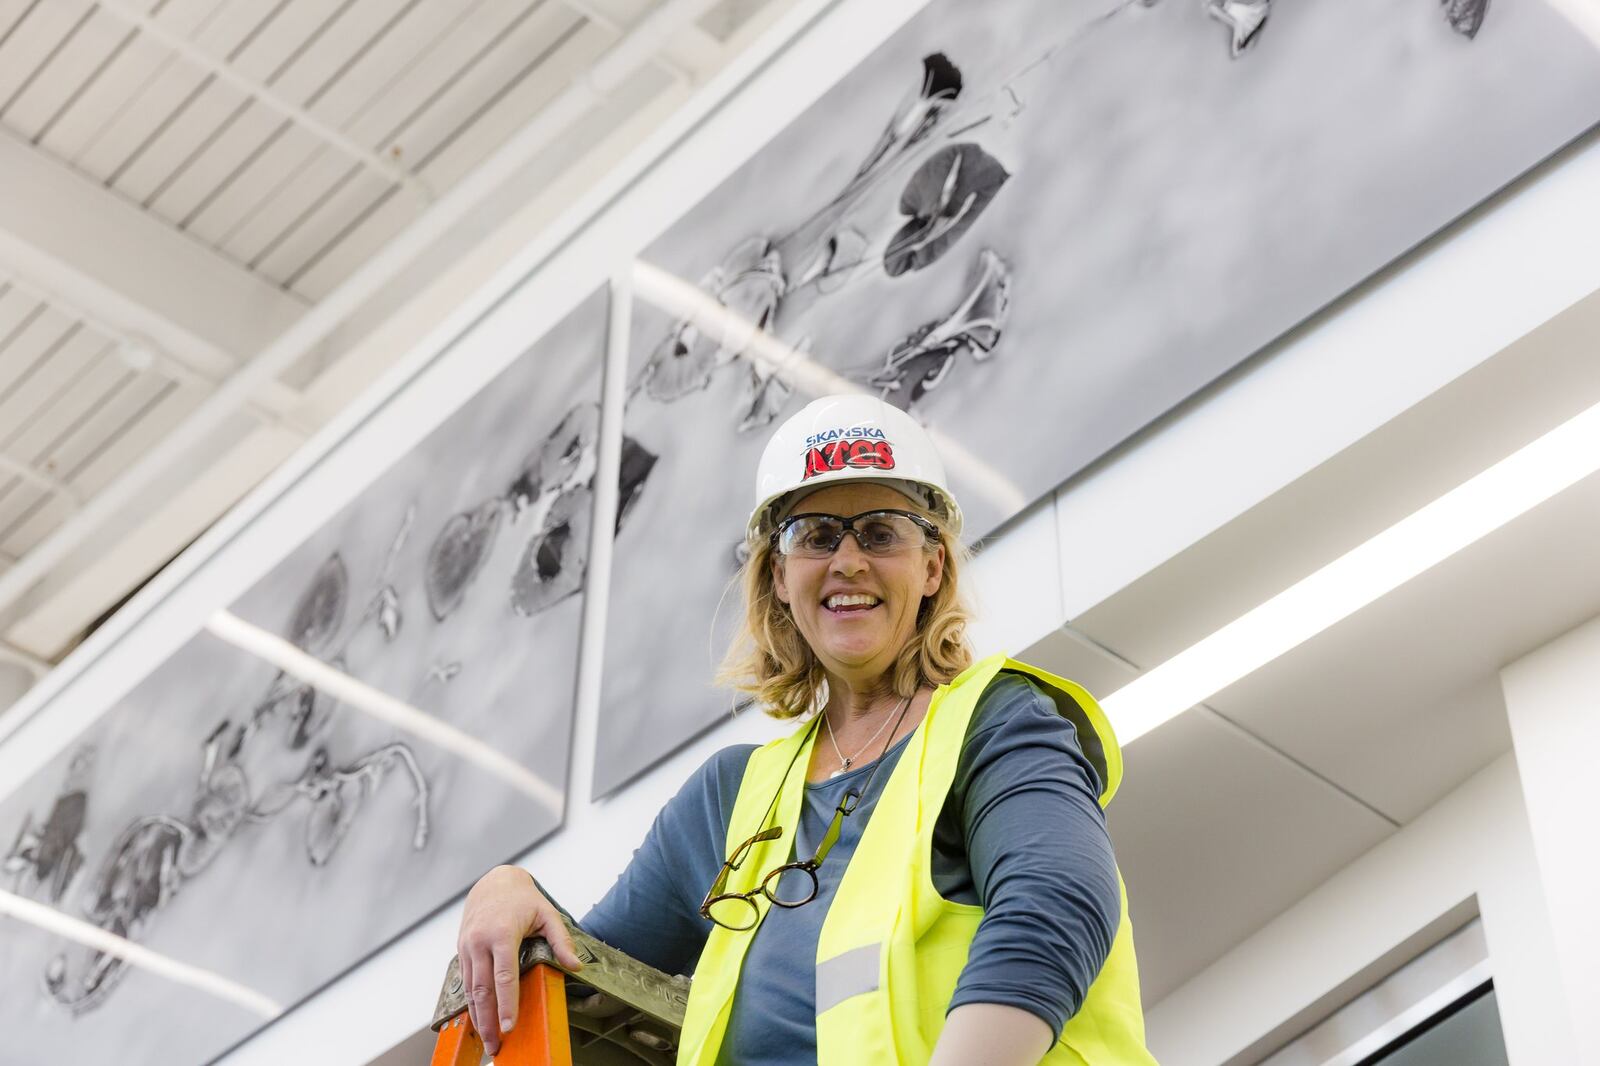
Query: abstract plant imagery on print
235, 818
1037, 227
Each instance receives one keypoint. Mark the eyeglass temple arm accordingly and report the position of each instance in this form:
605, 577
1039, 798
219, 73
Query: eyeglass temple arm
737, 859
831, 837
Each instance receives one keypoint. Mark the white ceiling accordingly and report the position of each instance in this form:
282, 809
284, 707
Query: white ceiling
184, 180
1233, 811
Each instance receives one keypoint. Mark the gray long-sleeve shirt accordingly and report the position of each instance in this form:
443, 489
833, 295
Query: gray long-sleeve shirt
1021, 834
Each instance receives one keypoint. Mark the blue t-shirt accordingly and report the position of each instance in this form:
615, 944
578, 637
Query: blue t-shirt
1021, 834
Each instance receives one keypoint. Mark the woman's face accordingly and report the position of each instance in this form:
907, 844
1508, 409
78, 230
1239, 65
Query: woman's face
856, 641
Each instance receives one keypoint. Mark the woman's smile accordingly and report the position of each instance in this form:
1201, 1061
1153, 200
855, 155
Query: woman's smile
850, 603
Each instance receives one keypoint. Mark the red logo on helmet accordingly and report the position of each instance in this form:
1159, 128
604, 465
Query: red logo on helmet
847, 454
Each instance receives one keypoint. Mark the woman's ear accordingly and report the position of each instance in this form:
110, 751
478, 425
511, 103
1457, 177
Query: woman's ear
935, 561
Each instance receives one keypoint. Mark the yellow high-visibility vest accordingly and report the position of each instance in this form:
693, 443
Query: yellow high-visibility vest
892, 948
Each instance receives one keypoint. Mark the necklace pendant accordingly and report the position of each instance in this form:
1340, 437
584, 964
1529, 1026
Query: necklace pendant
842, 768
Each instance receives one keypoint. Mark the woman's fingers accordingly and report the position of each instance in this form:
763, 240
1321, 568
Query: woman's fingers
506, 976
502, 908
554, 930
481, 1005
465, 961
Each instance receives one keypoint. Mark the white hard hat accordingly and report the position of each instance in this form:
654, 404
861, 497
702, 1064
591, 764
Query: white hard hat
850, 438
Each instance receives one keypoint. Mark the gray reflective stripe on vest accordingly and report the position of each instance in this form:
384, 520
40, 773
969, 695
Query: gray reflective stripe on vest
850, 974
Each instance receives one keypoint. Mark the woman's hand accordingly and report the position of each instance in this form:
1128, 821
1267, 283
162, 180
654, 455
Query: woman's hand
503, 909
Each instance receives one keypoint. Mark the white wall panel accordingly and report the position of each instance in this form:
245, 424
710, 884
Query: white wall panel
1554, 710
1472, 850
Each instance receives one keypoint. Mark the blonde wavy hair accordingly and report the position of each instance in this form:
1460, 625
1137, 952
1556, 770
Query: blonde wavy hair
770, 660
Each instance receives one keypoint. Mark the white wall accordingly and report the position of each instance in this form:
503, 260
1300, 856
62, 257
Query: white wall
1471, 852
1553, 706
1393, 343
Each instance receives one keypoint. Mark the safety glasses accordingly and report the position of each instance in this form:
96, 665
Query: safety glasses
883, 532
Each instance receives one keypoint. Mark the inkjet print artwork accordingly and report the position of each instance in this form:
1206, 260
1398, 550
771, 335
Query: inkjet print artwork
1038, 226
237, 819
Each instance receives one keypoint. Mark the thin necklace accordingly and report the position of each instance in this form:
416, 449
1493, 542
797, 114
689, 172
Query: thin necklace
846, 760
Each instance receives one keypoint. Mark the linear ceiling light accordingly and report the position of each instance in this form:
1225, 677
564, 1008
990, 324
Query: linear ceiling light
1509, 488
53, 921
771, 354
382, 706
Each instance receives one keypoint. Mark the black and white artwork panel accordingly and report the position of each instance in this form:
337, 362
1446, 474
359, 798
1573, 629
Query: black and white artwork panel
452, 582
1038, 227
157, 825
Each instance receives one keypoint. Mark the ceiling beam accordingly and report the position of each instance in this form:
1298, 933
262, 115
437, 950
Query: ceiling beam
276, 404
35, 666
691, 54
66, 234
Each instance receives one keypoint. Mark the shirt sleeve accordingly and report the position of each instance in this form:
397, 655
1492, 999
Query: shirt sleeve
1040, 857
653, 910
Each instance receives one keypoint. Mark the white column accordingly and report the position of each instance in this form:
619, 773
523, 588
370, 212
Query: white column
1553, 704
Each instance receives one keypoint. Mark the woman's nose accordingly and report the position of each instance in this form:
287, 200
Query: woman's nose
848, 558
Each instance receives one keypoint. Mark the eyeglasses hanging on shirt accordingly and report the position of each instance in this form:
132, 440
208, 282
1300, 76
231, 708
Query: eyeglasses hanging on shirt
738, 910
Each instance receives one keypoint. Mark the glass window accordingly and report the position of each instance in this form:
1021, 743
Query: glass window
1467, 1033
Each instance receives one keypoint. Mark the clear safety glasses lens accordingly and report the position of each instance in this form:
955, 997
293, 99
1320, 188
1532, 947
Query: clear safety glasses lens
817, 536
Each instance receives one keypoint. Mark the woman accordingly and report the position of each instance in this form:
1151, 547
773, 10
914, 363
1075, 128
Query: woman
919, 873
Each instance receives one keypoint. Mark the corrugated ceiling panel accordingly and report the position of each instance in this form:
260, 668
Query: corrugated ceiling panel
20, 501
28, 344
77, 401
224, 217
121, 83
84, 374
73, 406
109, 414
31, 108
113, 452
17, 309
327, 58
162, 101
32, 38
167, 154
327, 174
316, 64
113, 433
488, 76
355, 191
381, 67
283, 36
246, 214
544, 74
10, 12
431, 76
256, 132
249, 133
25, 410
268, 53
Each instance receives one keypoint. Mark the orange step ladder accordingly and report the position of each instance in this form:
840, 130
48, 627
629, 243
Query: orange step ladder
617, 1012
